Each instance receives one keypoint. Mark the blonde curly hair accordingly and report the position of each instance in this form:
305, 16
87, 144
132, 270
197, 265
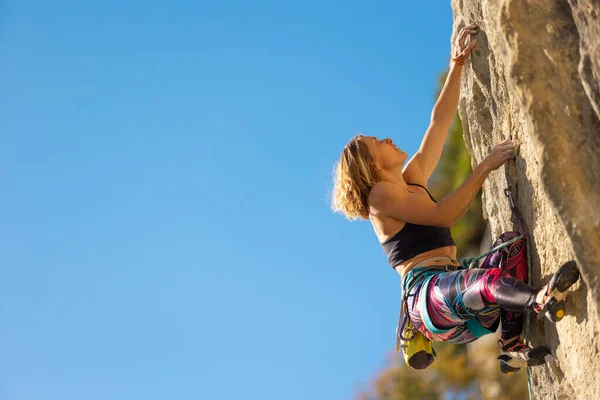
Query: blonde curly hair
354, 177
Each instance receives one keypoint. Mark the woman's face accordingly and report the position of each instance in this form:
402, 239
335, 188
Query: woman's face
385, 152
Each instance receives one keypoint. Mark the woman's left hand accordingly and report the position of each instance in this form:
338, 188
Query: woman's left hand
461, 49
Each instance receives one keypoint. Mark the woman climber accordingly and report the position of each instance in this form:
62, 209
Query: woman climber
444, 301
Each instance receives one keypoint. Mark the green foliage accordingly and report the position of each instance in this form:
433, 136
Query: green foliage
452, 170
454, 375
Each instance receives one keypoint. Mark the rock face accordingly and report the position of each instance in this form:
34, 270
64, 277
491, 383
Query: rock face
535, 77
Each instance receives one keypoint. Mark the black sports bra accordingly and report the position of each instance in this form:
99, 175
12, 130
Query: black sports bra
413, 240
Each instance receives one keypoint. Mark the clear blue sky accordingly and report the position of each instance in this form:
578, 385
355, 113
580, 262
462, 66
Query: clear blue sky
165, 174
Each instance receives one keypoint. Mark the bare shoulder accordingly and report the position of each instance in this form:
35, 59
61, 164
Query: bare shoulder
393, 200
383, 194
385, 188
412, 172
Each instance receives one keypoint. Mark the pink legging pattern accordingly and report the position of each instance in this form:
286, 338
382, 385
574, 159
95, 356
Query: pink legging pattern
455, 297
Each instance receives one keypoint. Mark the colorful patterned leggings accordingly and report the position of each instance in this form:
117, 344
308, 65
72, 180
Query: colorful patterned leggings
492, 293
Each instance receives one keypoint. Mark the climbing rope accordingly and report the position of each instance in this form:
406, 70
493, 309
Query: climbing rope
508, 193
472, 262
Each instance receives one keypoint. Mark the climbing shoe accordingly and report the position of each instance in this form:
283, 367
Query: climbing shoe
550, 301
515, 354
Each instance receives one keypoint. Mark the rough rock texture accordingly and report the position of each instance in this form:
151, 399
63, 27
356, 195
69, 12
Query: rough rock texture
535, 76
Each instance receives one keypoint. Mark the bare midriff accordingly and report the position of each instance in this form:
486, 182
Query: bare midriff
436, 257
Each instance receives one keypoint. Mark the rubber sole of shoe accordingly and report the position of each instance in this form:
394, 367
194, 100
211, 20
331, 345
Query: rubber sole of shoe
563, 279
507, 369
535, 358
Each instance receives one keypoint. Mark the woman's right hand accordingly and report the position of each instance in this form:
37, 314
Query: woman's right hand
500, 154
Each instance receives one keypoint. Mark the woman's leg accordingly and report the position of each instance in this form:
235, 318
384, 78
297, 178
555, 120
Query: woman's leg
512, 259
454, 298
515, 353
486, 293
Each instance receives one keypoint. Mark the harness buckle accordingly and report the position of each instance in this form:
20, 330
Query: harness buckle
450, 267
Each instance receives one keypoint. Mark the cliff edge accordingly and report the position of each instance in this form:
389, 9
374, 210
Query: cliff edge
535, 77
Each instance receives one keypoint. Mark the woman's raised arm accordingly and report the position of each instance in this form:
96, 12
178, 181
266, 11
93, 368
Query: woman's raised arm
429, 153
